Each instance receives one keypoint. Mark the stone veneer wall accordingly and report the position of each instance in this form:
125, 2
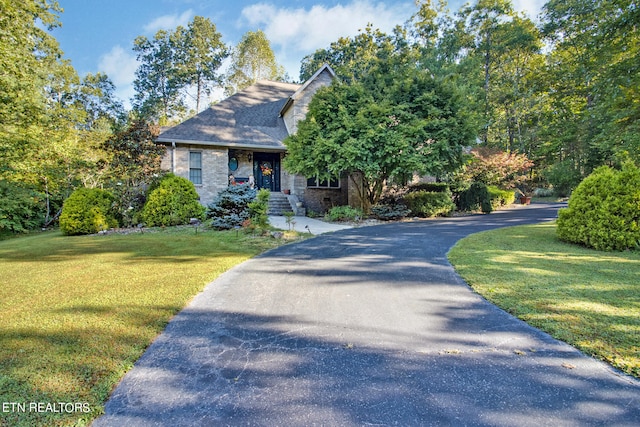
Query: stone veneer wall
298, 110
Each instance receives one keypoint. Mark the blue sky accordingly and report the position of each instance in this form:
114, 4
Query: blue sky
97, 35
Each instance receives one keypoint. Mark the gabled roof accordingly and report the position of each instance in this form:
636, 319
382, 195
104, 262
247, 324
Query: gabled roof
248, 119
301, 89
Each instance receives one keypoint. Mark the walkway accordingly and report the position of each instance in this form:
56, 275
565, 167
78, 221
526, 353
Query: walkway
305, 224
366, 326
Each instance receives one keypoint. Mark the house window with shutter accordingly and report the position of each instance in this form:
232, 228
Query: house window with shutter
195, 167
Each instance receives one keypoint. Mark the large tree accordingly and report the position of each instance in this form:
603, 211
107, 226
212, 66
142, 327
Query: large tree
252, 60
199, 55
395, 121
593, 74
157, 85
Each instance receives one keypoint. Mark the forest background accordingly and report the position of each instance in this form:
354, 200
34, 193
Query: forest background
564, 91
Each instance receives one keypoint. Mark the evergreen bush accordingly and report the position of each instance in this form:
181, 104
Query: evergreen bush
87, 211
429, 203
604, 210
173, 202
476, 197
230, 208
388, 212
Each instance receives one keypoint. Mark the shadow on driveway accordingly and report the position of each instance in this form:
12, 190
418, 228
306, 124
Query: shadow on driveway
366, 326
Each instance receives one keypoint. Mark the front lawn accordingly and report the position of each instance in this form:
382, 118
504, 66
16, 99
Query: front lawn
77, 312
586, 298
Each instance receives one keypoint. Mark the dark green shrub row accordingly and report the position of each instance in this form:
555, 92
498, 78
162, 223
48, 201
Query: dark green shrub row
389, 212
344, 213
604, 210
173, 202
230, 208
87, 211
500, 198
476, 197
429, 204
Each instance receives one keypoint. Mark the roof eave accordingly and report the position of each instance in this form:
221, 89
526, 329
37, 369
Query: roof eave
222, 144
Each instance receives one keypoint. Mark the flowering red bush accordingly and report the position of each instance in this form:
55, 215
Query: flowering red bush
495, 167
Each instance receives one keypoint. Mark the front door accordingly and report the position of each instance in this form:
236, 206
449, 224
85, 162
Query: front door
266, 169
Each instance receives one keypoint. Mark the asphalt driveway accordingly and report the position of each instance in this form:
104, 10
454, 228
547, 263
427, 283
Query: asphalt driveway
367, 326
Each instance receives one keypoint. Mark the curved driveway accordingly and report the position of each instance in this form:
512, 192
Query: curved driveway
368, 326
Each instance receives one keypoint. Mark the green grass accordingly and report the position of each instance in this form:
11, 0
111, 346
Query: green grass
77, 312
586, 298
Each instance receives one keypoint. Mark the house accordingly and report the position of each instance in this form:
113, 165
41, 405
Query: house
241, 139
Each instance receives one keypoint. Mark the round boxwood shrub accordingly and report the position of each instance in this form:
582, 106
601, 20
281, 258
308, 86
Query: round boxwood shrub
604, 210
173, 202
429, 203
87, 211
476, 197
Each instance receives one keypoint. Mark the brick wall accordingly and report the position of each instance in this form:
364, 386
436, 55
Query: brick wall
215, 168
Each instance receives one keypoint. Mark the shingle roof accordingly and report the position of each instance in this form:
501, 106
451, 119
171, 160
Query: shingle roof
250, 118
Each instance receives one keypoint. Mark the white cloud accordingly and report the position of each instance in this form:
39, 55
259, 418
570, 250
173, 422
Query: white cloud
120, 65
168, 22
299, 32
531, 7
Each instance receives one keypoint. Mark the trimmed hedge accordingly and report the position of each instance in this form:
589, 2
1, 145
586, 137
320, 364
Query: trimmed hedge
500, 198
173, 202
604, 210
429, 203
87, 211
474, 198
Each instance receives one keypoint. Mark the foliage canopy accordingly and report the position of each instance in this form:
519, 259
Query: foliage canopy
392, 123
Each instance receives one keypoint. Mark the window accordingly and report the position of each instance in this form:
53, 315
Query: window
318, 183
195, 167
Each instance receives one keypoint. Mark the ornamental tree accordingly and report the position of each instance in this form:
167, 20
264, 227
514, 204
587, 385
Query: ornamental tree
393, 122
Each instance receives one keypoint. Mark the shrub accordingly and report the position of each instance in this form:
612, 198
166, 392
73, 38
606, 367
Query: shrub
230, 208
22, 208
344, 213
87, 211
563, 176
474, 198
173, 202
500, 198
431, 187
428, 203
258, 209
604, 210
389, 212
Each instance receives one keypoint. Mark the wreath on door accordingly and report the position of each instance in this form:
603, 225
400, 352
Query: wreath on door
266, 169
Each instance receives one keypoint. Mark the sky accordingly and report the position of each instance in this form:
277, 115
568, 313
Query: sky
98, 35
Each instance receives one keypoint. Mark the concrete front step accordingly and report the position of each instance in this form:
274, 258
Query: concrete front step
278, 204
